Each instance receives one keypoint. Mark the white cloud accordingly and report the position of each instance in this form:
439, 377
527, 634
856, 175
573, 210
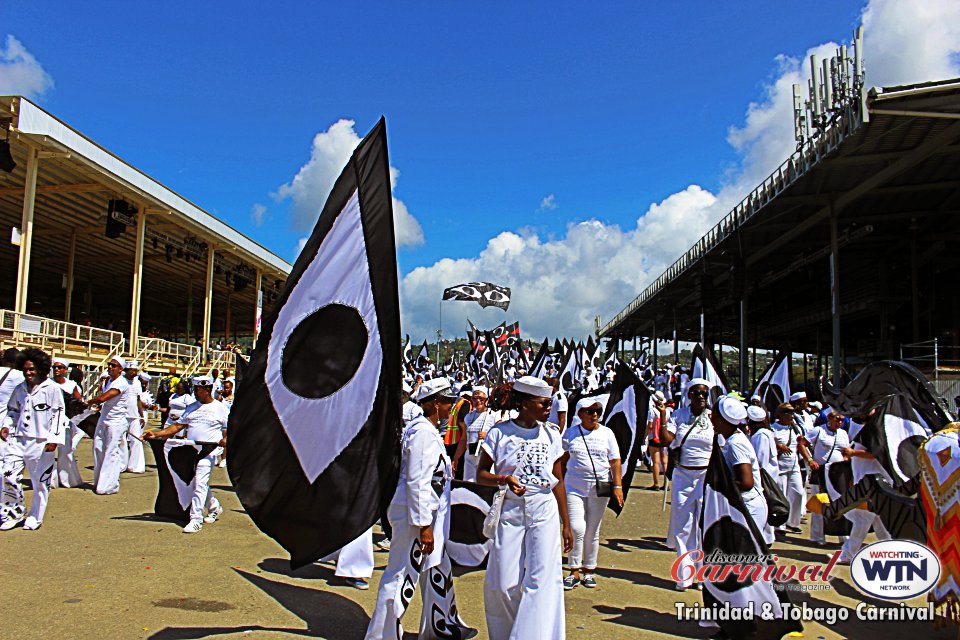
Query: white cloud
258, 213
549, 203
309, 189
560, 284
20, 73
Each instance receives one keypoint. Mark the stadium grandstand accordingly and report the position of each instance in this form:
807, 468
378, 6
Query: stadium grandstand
103, 260
848, 252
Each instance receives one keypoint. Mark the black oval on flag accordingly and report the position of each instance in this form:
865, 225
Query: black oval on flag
324, 352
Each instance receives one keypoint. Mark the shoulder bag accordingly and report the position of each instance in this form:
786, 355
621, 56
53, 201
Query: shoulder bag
604, 487
778, 509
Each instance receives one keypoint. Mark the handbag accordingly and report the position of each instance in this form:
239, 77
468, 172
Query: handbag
492, 519
778, 509
673, 455
604, 488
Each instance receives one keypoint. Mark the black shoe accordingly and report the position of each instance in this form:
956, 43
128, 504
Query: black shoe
794, 529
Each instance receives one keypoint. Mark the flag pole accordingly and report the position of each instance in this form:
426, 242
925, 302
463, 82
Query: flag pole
440, 335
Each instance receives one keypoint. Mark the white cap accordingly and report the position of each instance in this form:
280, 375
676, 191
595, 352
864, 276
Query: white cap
757, 414
202, 381
482, 389
698, 382
434, 387
659, 396
121, 361
60, 360
756, 397
131, 364
145, 376
732, 410
799, 395
816, 405
532, 387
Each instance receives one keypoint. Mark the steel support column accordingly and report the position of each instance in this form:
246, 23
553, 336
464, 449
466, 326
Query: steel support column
26, 230
137, 279
208, 302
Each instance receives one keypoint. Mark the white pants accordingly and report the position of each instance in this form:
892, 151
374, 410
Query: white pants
586, 514
399, 582
355, 559
791, 483
686, 500
756, 505
862, 521
470, 463
202, 496
135, 460
29, 454
67, 473
523, 589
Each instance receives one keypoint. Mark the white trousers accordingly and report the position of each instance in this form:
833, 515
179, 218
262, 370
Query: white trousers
523, 589
399, 582
757, 507
67, 474
135, 460
686, 500
29, 454
202, 495
470, 463
863, 521
791, 483
355, 559
586, 514
109, 455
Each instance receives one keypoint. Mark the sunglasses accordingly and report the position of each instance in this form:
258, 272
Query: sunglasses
59, 366
593, 412
699, 394
113, 365
542, 403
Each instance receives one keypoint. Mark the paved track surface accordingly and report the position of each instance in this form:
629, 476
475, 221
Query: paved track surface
102, 567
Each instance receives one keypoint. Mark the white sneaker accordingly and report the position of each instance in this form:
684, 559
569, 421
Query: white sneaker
193, 527
213, 516
222, 464
6, 525
31, 523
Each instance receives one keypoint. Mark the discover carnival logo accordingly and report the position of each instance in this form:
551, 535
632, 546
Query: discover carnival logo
895, 569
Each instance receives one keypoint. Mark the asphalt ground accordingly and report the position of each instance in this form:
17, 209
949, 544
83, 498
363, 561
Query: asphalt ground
103, 567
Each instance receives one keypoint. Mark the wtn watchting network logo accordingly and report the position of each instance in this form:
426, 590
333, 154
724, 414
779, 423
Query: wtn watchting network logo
895, 569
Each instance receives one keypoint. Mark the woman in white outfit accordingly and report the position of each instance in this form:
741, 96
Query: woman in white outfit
67, 473
689, 429
36, 424
765, 446
741, 459
110, 438
478, 422
418, 514
179, 401
790, 445
828, 444
592, 457
523, 589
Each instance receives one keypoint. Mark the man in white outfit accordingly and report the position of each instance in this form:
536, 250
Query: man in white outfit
206, 422
419, 514
110, 437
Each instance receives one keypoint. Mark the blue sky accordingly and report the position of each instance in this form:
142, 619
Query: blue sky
608, 107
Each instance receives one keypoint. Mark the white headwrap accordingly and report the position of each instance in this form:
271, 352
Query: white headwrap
732, 410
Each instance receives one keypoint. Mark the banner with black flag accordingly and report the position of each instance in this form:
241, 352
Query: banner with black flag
314, 453
729, 531
626, 416
486, 294
538, 368
176, 472
775, 384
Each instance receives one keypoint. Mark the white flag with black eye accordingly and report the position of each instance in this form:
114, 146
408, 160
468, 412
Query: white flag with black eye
314, 428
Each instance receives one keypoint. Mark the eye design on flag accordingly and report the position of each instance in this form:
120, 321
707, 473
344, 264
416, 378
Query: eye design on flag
324, 357
467, 290
494, 297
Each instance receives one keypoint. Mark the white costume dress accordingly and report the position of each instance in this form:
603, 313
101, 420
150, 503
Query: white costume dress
737, 449
790, 480
135, 459
695, 433
589, 451
67, 473
206, 422
35, 418
110, 439
422, 498
523, 589
828, 447
476, 423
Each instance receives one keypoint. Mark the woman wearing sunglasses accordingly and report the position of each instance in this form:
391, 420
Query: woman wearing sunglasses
591, 465
689, 430
523, 589
67, 473
828, 444
109, 440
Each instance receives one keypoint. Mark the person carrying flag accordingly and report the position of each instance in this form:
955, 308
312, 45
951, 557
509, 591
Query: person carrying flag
205, 421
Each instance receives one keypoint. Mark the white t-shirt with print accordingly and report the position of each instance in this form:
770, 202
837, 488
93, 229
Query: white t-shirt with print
526, 454
602, 446
205, 422
698, 446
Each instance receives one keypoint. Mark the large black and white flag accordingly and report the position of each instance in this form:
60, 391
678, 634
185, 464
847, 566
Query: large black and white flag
728, 529
538, 368
626, 416
314, 453
469, 504
176, 472
423, 357
705, 366
901, 410
486, 294
775, 384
